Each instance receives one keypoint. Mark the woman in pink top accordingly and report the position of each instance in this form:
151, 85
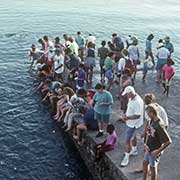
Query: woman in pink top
167, 74
108, 144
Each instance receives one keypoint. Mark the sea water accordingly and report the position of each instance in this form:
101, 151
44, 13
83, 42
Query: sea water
31, 145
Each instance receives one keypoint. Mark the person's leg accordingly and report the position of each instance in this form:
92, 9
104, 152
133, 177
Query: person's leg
128, 136
145, 169
145, 70
70, 120
110, 83
63, 110
91, 74
152, 57
146, 54
66, 119
134, 140
80, 128
158, 75
153, 173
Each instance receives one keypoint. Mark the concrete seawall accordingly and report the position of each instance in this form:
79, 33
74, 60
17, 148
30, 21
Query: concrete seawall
109, 167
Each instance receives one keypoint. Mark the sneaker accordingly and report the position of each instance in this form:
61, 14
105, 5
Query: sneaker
125, 160
134, 152
99, 134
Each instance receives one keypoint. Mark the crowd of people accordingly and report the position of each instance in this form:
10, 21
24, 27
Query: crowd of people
65, 69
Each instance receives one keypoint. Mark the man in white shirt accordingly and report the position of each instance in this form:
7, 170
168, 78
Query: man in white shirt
91, 39
58, 65
162, 56
133, 119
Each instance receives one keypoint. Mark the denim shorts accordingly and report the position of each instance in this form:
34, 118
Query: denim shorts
102, 117
130, 133
153, 161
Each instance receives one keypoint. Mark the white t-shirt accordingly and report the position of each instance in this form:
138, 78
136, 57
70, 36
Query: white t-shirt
163, 53
121, 64
133, 52
91, 39
135, 107
50, 43
162, 115
58, 61
50, 55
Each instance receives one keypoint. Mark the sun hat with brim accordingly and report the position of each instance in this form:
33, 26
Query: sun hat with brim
160, 45
128, 89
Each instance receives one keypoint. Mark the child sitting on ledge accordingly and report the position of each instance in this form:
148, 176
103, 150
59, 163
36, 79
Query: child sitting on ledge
108, 144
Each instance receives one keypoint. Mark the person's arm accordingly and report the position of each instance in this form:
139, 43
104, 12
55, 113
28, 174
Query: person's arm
59, 67
171, 76
105, 103
138, 53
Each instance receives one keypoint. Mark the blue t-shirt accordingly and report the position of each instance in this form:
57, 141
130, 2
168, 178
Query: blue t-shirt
169, 46
81, 78
91, 52
89, 119
80, 41
104, 96
148, 46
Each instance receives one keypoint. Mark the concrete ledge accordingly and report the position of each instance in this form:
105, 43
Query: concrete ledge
109, 168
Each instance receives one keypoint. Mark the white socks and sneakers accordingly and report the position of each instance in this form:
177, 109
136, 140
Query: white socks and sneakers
125, 160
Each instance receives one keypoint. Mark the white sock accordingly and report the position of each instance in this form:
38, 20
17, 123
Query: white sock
127, 154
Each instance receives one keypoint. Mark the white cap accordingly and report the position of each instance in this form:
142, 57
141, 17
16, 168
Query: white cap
128, 89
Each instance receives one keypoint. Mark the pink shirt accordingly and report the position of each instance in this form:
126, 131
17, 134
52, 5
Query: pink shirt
168, 71
111, 139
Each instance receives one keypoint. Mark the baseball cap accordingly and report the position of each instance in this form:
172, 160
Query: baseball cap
128, 89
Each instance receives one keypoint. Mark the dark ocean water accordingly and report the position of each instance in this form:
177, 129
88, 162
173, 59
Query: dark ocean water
31, 145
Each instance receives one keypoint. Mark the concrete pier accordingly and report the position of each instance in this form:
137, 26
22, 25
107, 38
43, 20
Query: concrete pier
109, 167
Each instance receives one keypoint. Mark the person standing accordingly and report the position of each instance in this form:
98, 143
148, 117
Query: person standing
91, 39
58, 65
167, 74
148, 49
109, 67
162, 56
80, 41
134, 54
102, 101
168, 44
157, 139
117, 42
102, 53
134, 120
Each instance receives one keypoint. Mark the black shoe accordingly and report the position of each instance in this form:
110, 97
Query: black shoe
99, 134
